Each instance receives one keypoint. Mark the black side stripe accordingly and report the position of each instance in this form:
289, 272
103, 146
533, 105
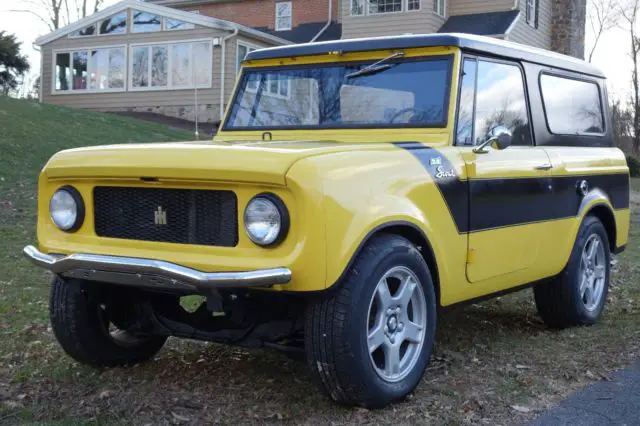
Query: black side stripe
482, 204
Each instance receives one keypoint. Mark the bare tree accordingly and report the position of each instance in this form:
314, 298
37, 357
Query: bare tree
631, 15
602, 15
58, 13
621, 123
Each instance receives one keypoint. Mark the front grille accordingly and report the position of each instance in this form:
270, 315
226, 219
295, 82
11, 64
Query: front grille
182, 216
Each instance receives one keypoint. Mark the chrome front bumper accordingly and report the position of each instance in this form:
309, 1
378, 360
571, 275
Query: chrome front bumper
150, 273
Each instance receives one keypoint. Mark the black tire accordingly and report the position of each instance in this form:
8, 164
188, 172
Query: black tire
559, 301
336, 327
80, 329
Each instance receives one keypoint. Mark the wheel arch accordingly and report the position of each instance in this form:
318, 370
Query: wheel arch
413, 234
606, 216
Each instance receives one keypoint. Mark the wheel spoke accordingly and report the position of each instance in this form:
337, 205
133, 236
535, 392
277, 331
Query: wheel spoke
405, 292
588, 295
391, 359
384, 295
584, 282
593, 249
376, 337
600, 271
412, 332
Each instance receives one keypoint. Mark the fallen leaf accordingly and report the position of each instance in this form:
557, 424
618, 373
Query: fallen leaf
179, 418
521, 408
522, 367
105, 394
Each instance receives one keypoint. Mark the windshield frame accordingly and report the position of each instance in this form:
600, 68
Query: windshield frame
450, 58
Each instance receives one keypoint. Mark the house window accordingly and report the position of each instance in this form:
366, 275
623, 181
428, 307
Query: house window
144, 22
84, 32
170, 66
116, 24
440, 7
413, 5
243, 51
283, 16
357, 7
90, 70
532, 13
385, 6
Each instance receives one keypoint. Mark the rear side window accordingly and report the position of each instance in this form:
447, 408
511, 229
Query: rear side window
572, 107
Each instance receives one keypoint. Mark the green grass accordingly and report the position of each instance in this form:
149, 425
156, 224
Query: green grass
488, 357
635, 184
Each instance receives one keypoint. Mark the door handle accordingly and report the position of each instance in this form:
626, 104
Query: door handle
544, 166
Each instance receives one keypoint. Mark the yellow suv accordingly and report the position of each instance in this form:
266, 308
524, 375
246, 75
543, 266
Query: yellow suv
354, 188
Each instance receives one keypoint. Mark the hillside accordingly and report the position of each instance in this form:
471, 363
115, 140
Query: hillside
31, 132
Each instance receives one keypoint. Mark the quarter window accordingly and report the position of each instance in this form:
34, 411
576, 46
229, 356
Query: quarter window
571, 106
283, 16
500, 100
90, 70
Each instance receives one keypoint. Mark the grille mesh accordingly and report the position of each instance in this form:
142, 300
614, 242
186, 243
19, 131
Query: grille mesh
182, 216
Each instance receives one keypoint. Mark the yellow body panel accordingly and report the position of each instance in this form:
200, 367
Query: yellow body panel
339, 187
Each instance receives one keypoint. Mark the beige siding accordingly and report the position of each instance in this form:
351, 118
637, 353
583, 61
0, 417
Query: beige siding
423, 21
138, 99
526, 34
466, 7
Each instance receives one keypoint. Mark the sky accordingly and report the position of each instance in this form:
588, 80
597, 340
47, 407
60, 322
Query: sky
611, 55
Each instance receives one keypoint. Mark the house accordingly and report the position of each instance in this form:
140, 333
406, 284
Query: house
181, 57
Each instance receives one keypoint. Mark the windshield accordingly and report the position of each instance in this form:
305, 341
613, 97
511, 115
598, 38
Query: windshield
405, 92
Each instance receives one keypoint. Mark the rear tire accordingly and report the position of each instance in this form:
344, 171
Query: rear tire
578, 295
369, 341
79, 324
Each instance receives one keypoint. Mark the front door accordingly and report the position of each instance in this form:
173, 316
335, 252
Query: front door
504, 185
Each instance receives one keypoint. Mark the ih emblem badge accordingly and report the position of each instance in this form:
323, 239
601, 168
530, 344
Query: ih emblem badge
160, 216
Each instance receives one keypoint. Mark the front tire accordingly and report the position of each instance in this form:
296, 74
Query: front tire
369, 342
82, 328
577, 297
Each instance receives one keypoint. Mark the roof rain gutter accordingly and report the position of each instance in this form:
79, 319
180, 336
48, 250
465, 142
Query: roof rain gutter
223, 44
323, 29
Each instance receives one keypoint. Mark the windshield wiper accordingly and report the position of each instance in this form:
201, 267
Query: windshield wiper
376, 67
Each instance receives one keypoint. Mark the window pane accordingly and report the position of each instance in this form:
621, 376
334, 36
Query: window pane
117, 24
159, 66
88, 31
144, 22
284, 88
357, 7
283, 16
80, 70
116, 68
99, 65
500, 101
571, 106
180, 65
464, 131
63, 71
140, 75
174, 24
413, 4
385, 6
202, 63
242, 53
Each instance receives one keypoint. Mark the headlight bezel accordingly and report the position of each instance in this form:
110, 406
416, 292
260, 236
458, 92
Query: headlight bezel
80, 208
285, 220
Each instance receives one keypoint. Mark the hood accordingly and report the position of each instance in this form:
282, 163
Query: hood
262, 162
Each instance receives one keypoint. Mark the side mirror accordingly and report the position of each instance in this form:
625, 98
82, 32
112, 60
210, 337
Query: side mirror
499, 137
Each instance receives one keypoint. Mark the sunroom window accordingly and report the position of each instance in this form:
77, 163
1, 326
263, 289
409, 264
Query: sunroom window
84, 32
90, 70
116, 24
144, 22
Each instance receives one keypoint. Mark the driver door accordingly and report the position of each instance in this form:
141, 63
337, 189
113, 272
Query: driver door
505, 185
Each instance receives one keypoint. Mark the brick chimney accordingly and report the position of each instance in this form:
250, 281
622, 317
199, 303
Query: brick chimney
568, 20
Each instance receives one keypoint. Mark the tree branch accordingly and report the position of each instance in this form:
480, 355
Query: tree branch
37, 15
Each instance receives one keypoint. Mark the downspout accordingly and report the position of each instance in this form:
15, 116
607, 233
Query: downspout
39, 50
223, 44
323, 29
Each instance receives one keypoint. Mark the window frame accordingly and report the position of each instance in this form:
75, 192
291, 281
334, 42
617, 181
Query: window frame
583, 79
532, 21
71, 91
436, 10
450, 58
127, 28
132, 23
167, 43
527, 98
276, 27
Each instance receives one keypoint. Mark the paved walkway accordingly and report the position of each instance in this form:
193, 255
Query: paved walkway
602, 403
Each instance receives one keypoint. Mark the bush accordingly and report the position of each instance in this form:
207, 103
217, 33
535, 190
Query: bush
634, 166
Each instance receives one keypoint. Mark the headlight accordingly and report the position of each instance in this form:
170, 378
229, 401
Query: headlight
67, 209
266, 220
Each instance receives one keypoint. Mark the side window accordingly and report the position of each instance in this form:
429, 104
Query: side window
571, 106
501, 101
464, 129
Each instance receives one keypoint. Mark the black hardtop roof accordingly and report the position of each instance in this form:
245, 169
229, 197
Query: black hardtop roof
467, 42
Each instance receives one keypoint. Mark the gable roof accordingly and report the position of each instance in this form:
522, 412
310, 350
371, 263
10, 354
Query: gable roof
467, 42
193, 18
487, 24
304, 33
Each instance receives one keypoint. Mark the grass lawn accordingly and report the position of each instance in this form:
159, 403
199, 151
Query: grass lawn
494, 363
